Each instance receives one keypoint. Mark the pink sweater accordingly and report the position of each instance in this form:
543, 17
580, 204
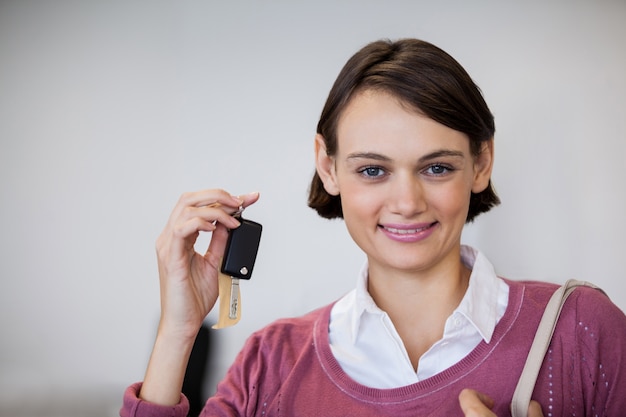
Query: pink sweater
287, 369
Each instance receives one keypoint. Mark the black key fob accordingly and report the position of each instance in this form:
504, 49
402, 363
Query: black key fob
241, 249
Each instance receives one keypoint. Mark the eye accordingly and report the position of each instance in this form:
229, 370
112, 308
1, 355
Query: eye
438, 170
372, 171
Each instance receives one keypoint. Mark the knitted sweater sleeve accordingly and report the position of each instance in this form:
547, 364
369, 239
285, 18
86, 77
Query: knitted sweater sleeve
133, 406
237, 394
254, 380
601, 349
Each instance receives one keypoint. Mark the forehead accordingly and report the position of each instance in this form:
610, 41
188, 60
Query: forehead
380, 121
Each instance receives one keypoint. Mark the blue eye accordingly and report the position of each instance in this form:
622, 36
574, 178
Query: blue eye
438, 169
372, 172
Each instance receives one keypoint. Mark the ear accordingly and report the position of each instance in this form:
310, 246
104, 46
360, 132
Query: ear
483, 165
325, 166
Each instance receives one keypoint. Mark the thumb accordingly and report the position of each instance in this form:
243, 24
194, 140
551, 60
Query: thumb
474, 403
534, 409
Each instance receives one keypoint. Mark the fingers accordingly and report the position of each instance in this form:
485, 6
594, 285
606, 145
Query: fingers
200, 211
217, 197
209, 198
202, 208
475, 404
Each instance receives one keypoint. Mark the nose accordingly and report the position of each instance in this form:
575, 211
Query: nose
407, 195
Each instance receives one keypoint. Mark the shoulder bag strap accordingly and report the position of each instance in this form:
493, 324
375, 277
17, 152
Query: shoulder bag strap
526, 383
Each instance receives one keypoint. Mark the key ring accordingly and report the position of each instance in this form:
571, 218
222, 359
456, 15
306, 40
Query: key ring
239, 211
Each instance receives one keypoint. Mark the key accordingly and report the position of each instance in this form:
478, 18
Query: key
234, 282
234, 298
239, 257
229, 301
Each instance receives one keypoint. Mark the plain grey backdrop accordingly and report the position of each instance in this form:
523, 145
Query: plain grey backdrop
109, 110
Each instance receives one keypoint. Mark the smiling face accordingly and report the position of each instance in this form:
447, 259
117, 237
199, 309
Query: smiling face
405, 183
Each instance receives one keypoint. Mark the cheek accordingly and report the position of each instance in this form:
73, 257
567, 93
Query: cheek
359, 202
452, 201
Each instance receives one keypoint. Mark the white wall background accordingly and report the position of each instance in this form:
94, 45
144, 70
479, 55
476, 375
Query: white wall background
110, 110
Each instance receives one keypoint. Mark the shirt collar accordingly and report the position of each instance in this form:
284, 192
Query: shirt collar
363, 302
479, 304
483, 298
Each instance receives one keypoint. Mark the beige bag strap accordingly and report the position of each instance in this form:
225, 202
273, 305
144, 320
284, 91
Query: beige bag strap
526, 383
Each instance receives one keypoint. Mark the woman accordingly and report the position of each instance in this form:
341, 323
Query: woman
404, 153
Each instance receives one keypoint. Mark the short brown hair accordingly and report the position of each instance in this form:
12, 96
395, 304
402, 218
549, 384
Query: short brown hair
418, 74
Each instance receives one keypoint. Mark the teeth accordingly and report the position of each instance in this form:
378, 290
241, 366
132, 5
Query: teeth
402, 231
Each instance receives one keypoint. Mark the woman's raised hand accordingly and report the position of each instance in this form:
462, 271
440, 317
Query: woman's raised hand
188, 279
189, 284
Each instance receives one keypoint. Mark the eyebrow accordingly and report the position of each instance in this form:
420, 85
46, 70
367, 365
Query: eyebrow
433, 155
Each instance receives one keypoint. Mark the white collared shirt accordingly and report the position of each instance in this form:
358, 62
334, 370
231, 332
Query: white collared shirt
367, 346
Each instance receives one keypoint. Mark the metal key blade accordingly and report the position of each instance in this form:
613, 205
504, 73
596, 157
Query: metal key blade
234, 298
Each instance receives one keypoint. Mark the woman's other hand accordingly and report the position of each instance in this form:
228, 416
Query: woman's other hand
476, 404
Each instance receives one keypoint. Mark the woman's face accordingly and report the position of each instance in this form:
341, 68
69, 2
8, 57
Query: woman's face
405, 183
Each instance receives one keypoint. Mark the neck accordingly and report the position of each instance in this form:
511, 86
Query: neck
419, 304
440, 288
